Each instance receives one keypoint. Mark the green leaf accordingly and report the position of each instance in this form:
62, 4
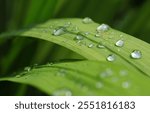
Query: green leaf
86, 73
85, 78
108, 39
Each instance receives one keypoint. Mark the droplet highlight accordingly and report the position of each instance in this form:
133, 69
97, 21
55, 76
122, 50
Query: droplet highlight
111, 58
119, 43
90, 45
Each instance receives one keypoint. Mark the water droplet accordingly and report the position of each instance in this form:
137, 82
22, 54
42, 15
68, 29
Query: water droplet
121, 35
59, 31
87, 20
62, 92
119, 43
18, 76
97, 35
126, 84
91, 45
79, 37
136, 54
86, 33
107, 73
99, 85
111, 58
100, 46
27, 69
49, 64
102, 27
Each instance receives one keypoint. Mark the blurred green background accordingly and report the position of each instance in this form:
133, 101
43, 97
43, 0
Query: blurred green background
129, 16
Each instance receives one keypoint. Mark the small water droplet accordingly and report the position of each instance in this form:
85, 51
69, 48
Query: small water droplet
90, 45
79, 37
62, 92
18, 76
86, 33
59, 31
126, 84
27, 69
97, 35
103, 27
119, 43
121, 35
136, 54
100, 46
111, 58
99, 85
87, 20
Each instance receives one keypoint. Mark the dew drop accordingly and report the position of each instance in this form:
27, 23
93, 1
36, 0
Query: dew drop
90, 45
97, 35
27, 69
119, 43
99, 85
87, 20
18, 76
100, 46
49, 64
86, 33
79, 37
59, 31
126, 84
62, 92
110, 58
103, 27
136, 54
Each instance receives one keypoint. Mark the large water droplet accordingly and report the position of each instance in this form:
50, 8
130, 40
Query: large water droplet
136, 54
99, 85
59, 31
119, 43
110, 58
91, 45
102, 27
87, 20
62, 92
126, 84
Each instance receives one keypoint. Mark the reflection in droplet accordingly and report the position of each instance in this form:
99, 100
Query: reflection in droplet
87, 20
136, 54
110, 58
103, 27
